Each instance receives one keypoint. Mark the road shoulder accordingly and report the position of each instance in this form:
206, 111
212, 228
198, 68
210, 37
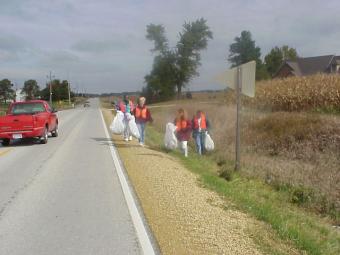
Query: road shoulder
185, 217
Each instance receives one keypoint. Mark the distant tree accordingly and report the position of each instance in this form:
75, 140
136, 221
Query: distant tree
156, 33
161, 80
193, 39
6, 91
244, 50
174, 68
275, 58
59, 91
31, 89
289, 53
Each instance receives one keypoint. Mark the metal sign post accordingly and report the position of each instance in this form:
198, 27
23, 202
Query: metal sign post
238, 117
242, 80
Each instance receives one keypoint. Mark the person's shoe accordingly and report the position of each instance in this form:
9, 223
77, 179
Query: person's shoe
141, 144
126, 139
130, 138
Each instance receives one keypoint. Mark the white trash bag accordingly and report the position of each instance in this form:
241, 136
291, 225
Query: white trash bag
133, 127
128, 116
117, 125
170, 139
208, 143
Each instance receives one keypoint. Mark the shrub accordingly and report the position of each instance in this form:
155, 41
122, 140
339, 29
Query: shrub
226, 173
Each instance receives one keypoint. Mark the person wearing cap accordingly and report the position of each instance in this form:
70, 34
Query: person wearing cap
142, 115
126, 106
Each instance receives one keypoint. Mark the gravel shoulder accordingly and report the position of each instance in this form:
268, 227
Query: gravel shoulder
185, 217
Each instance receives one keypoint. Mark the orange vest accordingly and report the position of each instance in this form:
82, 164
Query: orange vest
203, 122
181, 124
141, 113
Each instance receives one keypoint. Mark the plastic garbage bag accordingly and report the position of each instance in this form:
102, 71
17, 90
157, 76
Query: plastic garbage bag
128, 116
133, 127
117, 125
208, 143
170, 139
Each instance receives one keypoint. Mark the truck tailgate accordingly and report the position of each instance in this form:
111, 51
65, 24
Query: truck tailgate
15, 123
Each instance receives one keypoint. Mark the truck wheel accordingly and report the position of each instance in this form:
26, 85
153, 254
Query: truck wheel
55, 132
5, 142
44, 138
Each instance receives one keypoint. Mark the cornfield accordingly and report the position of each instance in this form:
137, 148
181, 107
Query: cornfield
317, 92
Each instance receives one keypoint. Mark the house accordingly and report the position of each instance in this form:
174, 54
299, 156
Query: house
309, 66
19, 96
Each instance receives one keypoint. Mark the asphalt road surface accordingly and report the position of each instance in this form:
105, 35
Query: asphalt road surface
65, 197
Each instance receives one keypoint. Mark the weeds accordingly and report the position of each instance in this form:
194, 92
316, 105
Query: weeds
307, 231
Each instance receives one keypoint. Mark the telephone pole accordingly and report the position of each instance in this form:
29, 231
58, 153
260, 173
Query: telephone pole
50, 77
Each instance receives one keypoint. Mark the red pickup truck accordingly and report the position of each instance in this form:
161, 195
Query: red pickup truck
31, 119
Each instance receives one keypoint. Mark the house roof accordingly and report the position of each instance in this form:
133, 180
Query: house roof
314, 65
311, 65
294, 66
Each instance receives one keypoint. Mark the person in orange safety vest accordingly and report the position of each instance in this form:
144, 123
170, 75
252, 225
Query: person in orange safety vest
183, 130
200, 125
142, 115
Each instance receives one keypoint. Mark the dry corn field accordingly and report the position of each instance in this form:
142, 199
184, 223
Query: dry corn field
317, 92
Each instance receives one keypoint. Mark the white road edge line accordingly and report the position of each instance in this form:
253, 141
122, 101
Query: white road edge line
142, 234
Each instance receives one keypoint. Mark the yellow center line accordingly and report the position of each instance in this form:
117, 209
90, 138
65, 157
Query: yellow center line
4, 152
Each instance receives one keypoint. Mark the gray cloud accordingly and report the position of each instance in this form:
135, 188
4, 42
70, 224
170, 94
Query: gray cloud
101, 44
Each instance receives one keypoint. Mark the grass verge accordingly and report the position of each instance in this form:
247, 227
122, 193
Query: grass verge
307, 231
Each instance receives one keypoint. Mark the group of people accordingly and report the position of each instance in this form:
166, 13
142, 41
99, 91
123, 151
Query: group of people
197, 127
142, 116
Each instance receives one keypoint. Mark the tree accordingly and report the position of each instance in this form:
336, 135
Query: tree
59, 91
289, 53
31, 89
193, 39
244, 50
174, 68
156, 33
275, 58
6, 91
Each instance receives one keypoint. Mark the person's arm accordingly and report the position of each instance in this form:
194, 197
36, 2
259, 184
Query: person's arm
208, 125
148, 116
189, 126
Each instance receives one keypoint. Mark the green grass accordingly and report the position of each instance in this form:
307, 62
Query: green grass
307, 231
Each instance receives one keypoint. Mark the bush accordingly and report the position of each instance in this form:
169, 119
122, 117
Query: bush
226, 173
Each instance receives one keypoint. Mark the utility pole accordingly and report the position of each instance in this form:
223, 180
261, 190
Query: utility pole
50, 85
69, 93
69, 88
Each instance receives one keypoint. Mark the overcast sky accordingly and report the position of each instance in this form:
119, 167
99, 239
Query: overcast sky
100, 45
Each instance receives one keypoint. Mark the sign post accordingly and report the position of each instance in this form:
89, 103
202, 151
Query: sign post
238, 118
242, 80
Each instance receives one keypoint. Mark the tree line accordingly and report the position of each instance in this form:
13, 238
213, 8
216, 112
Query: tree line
31, 90
174, 67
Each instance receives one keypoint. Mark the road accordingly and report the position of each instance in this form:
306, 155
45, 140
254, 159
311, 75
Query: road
65, 197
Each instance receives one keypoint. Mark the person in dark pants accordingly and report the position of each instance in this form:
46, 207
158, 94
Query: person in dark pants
200, 126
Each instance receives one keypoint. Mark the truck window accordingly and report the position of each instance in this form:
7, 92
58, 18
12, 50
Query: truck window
29, 108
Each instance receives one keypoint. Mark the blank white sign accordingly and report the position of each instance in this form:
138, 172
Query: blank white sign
229, 78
